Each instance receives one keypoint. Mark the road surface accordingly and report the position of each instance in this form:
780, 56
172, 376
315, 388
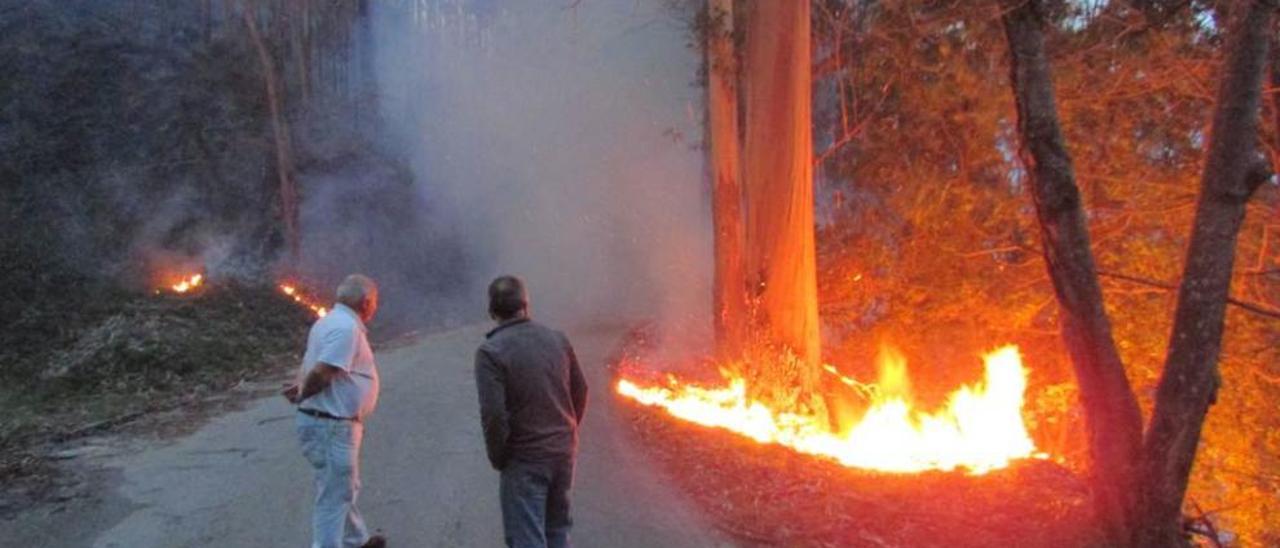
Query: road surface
241, 481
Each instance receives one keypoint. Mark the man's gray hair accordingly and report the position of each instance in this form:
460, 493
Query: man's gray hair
355, 289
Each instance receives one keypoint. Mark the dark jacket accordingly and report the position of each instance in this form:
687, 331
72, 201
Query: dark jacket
532, 393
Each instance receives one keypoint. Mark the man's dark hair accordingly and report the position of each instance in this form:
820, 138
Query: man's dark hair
507, 297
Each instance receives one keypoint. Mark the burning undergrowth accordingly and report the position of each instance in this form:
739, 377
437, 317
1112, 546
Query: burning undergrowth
769, 490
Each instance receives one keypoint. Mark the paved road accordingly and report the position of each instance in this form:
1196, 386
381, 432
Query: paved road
240, 480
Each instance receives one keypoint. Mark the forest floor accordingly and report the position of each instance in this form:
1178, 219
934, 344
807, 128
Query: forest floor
131, 362
767, 495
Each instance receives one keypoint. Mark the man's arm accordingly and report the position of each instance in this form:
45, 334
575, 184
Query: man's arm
577, 383
337, 350
320, 377
492, 389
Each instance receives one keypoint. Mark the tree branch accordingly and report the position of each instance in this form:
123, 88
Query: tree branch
1245, 305
854, 132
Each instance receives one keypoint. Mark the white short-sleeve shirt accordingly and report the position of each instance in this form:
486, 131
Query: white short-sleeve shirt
340, 339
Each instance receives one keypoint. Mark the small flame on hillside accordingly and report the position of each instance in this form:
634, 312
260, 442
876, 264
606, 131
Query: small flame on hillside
292, 292
979, 429
187, 284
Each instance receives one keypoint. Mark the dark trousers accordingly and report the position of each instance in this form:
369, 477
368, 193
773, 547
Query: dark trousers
535, 503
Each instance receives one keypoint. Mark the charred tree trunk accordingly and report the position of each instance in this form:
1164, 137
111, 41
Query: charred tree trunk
778, 177
1233, 170
1112, 413
729, 293
280, 133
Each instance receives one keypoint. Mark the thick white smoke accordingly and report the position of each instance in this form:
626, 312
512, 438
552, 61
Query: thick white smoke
561, 142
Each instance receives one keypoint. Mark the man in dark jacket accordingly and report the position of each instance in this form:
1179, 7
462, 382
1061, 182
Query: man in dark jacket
532, 400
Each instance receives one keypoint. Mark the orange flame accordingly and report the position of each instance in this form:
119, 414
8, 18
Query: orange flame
188, 284
292, 292
979, 429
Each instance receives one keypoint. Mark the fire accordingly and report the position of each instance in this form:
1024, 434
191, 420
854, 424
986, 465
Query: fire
188, 284
980, 428
292, 292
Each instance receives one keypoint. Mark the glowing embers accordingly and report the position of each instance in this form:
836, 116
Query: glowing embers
292, 292
980, 427
184, 285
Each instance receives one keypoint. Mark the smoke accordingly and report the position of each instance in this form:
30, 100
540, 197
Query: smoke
446, 142
559, 145
364, 216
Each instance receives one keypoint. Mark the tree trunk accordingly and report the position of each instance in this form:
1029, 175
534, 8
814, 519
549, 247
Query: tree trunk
1234, 168
729, 293
308, 45
1111, 410
297, 41
206, 15
778, 177
280, 132
1275, 96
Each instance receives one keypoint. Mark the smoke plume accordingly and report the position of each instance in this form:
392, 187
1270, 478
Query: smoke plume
559, 143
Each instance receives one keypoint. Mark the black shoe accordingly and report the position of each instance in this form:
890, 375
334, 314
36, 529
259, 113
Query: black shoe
375, 541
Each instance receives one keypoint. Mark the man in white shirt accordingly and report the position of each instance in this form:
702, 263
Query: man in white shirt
338, 389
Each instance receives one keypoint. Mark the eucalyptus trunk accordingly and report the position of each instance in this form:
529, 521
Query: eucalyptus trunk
778, 180
729, 298
288, 190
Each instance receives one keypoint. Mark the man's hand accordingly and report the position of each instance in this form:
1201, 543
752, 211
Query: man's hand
291, 393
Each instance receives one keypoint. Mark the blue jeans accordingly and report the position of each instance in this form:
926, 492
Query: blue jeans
535, 503
333, 449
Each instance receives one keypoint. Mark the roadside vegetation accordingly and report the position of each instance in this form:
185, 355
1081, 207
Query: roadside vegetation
80, 363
